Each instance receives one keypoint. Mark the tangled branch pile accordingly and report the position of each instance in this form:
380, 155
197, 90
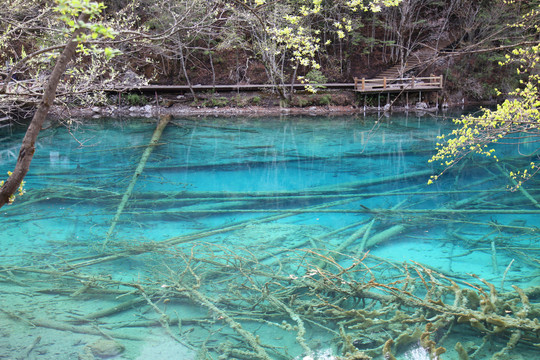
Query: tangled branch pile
371, 308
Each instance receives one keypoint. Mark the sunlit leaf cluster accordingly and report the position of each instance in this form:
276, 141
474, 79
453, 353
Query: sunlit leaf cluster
514, 121
70, 10
20, 191
301, 40
374, 5
478, 134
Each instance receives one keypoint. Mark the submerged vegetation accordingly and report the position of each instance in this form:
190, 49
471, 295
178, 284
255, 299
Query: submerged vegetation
366, 312
229, 269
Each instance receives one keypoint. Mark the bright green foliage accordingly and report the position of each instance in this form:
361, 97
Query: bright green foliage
70, 9
296, 36
373, 5
304, 41
136, 100
514, 120
518, 117
313, 78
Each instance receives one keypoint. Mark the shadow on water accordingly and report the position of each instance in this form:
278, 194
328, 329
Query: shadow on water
269, 238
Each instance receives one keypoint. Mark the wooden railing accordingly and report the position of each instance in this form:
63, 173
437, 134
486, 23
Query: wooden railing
391, 84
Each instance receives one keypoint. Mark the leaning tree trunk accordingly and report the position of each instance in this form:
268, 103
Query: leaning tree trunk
28, 144
184, 69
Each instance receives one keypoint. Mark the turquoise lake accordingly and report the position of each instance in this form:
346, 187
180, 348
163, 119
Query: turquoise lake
267, 238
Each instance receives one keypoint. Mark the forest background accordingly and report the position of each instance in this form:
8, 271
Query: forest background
263, 42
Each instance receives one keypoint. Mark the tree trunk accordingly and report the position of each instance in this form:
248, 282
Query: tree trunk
184, 69
28, 144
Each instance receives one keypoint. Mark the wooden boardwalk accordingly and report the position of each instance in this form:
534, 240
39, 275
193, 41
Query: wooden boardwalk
234, 87
365, 86
398, 85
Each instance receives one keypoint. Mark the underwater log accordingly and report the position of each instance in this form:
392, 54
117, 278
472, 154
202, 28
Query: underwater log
138, 171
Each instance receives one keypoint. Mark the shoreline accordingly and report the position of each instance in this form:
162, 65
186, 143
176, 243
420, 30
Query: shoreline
152, 111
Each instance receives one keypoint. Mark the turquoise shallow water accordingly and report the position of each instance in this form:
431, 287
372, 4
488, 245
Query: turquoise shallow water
262, 223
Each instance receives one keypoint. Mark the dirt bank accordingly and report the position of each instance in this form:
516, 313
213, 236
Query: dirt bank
150, 111
252, 104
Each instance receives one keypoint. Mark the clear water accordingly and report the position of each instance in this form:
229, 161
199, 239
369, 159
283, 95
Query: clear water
256, 222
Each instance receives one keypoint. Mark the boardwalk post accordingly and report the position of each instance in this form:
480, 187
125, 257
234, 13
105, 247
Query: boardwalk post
363, 84
384, 82
157, 102
412, 82
355, 83
441, 81
407, 100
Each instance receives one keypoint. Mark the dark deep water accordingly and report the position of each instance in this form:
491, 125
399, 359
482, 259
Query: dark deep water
264, 223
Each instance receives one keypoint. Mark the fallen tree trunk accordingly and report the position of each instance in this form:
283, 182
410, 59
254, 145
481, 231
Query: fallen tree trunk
138, 171
56, 325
